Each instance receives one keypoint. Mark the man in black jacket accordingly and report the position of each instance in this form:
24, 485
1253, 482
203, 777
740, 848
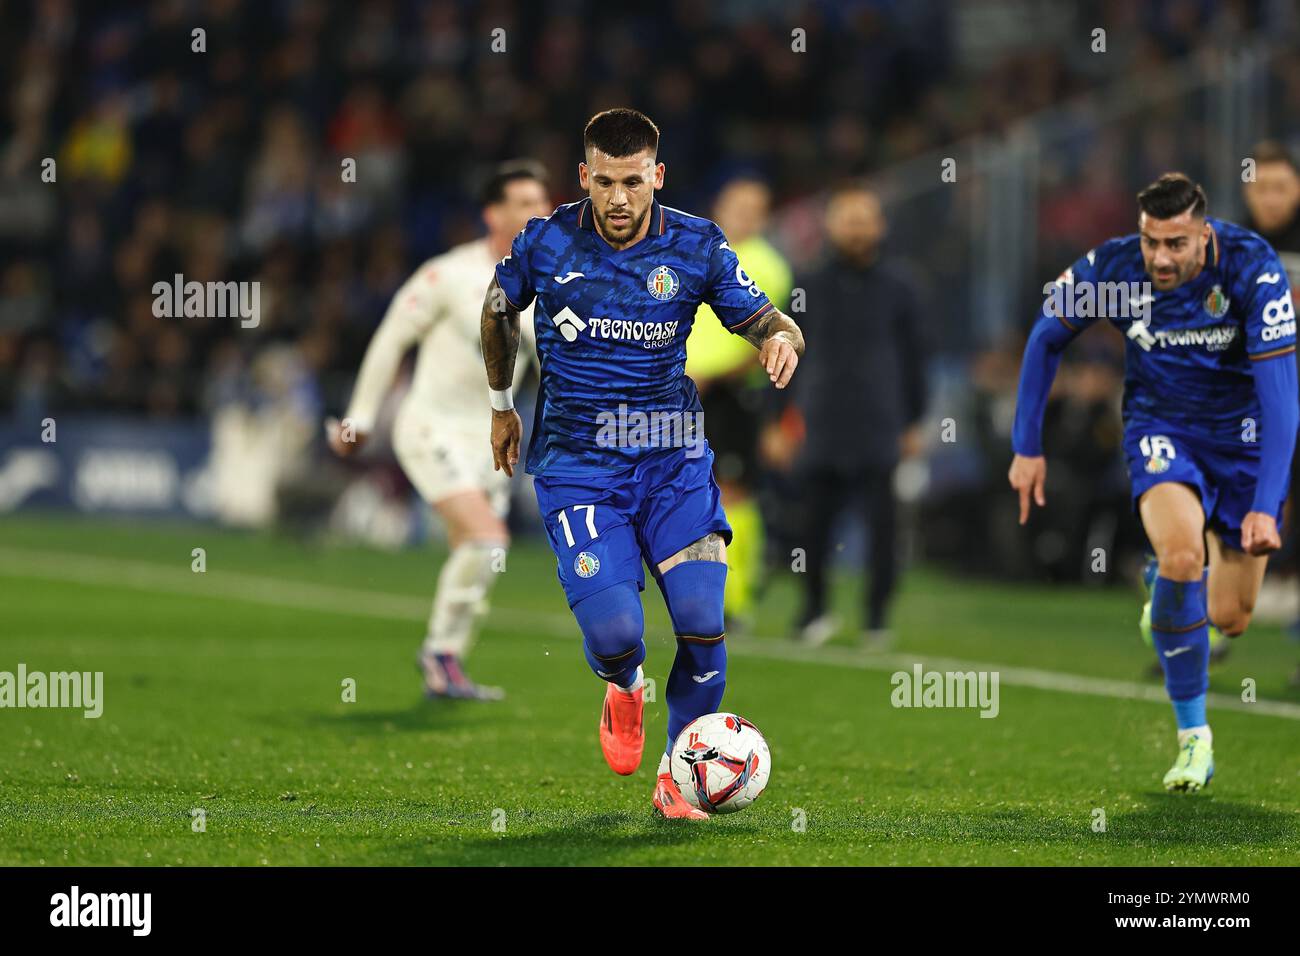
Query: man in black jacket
861, 395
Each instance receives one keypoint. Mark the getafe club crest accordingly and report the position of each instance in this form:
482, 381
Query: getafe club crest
1157, 465
586, 564
1216, 303
662, 283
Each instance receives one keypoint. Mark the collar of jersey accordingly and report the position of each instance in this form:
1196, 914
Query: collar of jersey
658, 221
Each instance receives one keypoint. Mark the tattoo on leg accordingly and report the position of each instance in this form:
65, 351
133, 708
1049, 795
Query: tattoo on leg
708, 548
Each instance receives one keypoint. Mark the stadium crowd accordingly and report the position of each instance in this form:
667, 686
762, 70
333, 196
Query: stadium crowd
225, 163
224, 155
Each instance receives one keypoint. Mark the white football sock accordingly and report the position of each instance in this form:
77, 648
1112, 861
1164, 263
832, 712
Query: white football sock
460, 599
636, 682
1202, 731
663, 764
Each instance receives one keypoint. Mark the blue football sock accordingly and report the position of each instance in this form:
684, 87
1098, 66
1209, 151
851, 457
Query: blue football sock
1191, 712
695, 684
612, 624
1179, 631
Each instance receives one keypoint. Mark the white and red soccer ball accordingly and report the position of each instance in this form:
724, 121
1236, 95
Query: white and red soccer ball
720, 762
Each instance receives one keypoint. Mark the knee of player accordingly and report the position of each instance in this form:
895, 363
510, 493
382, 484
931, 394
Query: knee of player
1233, 626
1231, 617
492, 536
612, 622
1182, 564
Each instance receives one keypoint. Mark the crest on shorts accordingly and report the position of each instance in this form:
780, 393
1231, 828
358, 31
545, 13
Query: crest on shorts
586, 564
1157, 465
1216, 303
662, 283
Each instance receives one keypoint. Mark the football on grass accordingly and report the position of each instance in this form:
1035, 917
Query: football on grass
720, 763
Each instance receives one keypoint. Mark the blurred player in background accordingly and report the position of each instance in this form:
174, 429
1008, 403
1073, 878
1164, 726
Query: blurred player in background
438, 432
1273, 211
722, 366
1273, 204
865, 314
1210, 415
617, 279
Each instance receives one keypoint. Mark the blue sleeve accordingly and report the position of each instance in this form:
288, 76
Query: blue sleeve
734, 297
1279, 400
513, 273
1047, 340
1270, 309
1055, 328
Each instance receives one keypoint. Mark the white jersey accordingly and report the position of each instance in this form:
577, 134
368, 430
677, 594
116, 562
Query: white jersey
439, 307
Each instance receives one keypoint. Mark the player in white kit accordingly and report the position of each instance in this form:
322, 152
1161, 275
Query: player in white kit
438, 430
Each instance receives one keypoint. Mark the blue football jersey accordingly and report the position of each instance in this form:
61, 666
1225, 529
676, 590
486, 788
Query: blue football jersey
1189, 350
612, 327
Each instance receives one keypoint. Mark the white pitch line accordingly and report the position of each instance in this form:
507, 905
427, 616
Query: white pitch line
305, 596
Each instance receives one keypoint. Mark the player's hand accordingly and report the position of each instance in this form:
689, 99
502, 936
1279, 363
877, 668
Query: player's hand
1259, 533
1027, 476
507, 433
344, 439
778, 359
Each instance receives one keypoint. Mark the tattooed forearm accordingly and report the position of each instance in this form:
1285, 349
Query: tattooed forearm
773, 324
499, 335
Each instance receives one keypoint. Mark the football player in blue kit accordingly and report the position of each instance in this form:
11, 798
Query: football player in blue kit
1210, 417
622, 470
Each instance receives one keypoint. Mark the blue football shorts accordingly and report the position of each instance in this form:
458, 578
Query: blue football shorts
602, 528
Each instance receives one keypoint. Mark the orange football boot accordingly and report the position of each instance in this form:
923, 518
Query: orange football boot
669, 802
622, 732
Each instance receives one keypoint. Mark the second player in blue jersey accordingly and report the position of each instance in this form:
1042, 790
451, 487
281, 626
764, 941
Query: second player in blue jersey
1210, 417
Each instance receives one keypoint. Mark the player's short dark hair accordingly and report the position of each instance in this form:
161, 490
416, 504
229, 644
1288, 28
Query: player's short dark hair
494, 189
1271, 151
1171, 195
621, 132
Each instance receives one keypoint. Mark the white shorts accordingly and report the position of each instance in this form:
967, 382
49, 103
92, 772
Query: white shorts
441, 461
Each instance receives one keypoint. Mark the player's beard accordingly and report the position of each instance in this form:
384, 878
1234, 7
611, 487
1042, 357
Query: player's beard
1167, 282
621, 233
1181, 275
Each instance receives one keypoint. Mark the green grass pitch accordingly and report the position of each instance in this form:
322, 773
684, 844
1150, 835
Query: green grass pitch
223, 692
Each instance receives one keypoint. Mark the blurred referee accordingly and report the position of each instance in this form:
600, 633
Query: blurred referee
733, 389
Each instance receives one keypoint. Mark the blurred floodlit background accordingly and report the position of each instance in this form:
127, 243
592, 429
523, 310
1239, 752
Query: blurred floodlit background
225, 165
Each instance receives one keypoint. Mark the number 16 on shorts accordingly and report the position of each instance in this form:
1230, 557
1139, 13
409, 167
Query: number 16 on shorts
1158, 451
